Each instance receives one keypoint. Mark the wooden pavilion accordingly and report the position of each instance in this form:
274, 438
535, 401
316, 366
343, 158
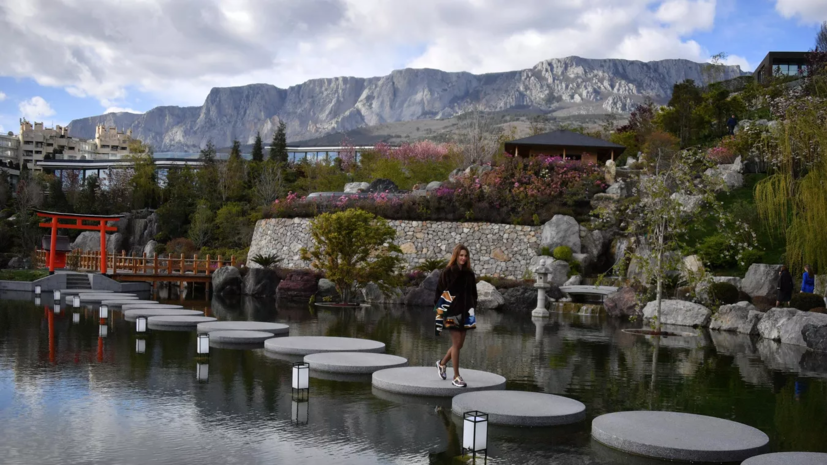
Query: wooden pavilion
566, 144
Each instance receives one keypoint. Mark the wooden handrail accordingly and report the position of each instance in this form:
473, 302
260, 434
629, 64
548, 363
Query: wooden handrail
140, 265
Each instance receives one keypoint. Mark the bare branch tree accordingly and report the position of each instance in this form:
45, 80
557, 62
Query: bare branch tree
29, 195
479, 137
270, 183
821, 38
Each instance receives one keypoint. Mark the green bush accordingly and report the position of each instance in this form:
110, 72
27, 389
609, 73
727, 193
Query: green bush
266, 261
22, 275
432, 264
749, 257
724, 293
563, 252
545, 251
716, 251
805, 302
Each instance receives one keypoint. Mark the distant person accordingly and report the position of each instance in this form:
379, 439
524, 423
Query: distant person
454, 302
731, 123
808, 282
785, 287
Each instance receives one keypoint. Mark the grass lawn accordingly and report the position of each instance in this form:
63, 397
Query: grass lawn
22, 275
743, 201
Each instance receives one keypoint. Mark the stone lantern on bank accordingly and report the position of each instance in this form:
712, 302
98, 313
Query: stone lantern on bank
541, 274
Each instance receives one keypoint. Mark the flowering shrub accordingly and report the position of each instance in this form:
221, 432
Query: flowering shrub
721, 155
410, 164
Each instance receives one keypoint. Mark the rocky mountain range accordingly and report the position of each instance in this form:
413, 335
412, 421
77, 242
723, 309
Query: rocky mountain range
561, 87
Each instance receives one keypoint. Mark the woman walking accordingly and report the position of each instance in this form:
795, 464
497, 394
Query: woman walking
785, 286
808, 282
456, 297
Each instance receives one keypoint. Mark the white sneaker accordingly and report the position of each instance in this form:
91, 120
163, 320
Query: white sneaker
441, 370
458, 382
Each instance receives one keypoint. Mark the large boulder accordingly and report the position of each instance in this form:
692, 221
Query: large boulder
149, 249
792, 330
520, 299
619, 188
679, 313
761, 280
561, 230
261, 282
383, 185
298, 286
770, 326
433, 186
488, 297
226, 281
87, 241
115, 243
689, 203
742, 317
423, 296
815, 337
356, 187
373, 295
622, 303
593, 243
820, 284
326, 290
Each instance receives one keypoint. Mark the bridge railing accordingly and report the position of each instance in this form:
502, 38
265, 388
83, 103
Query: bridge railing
142, 265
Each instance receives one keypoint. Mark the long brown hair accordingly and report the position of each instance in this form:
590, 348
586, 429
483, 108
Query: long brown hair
452, 263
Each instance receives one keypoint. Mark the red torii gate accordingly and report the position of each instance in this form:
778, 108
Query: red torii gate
78, 219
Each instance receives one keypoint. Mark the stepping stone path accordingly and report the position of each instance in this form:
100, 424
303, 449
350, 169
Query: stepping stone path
679, 436
239, 337
353, 362
271, 328
788, 458
179, 323
519, 408
424, 381
143, 304
82, 291
306, 345
132, 315
94, 298
119, 302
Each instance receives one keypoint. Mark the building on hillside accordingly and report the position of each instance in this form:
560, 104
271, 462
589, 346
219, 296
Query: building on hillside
566, 144
36, 143
781, 64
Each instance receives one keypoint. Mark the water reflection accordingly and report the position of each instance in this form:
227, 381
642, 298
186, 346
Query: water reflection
103, 399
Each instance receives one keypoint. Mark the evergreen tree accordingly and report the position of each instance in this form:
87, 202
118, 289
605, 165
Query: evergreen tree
235, 152
258, 149
207, 154
278, 149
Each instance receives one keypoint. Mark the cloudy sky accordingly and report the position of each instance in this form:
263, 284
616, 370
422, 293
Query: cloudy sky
64, 59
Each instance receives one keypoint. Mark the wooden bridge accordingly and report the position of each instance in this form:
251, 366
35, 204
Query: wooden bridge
145, 269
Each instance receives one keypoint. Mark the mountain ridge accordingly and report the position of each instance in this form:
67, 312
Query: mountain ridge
314, 108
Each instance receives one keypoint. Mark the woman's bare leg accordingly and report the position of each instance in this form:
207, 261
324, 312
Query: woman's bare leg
453, 352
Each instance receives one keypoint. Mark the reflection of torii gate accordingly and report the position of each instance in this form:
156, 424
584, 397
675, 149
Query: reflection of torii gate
78, 219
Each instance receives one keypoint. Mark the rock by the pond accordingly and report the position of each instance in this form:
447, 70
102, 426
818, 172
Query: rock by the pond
593, 243
261, 282
520, 299
574, 281
423, 296
227, 280
622, 303
815, 337
356, 187
488, 297
297, 287
326, 289
741, 317
373, 295
792, 329
561, 230
761, 280
770, 326
149, 249
679, 313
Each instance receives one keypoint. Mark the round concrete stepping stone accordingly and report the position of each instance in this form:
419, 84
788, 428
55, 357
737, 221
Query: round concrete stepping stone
176, 322
306, 345
788, 458
83, 291
239, 337
353, 362
424, 381
94, 298
133, 314
143, 304
679, 436
273, 328
119, 302
519, 408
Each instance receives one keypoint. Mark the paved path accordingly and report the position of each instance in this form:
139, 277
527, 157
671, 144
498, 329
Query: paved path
424, 381
679, 436
520, 408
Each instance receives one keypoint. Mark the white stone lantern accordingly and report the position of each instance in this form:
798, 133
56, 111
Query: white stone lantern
301, 381
541, 273
104, 312
57, 295
76, 318
475, 433
37, 290
203, 344
57, 309
140, 325
76, 301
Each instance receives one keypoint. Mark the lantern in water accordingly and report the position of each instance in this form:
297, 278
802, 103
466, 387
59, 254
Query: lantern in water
104, 312
301, 380
103, 330
76, 318
475, 432
57, 309
202, 371
140, 346
202, 346
37, 300
140, 324
76, 301
299, 411
57, 295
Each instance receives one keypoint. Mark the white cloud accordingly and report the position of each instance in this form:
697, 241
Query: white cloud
2, 96
176, 50
739, 61
809, 11
121, 110
35, 108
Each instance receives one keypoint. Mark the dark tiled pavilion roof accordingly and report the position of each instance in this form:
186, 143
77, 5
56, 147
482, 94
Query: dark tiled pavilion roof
566, 138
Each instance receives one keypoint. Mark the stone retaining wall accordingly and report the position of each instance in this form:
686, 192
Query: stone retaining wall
496, 249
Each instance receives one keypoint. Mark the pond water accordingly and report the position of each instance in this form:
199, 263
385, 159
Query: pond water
68, 396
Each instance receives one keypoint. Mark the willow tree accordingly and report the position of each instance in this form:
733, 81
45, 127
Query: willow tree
792, 200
